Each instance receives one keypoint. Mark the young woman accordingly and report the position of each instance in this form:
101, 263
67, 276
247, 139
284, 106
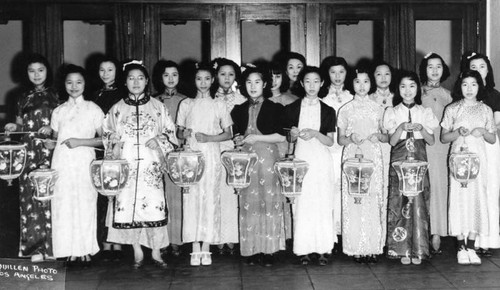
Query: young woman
359, 124
468, 121
74, 212
294, 63
410, 125
141, 130
34, 109
383, 95
110, 93
259, 125
205, 122
335, 71
312, 123
165, 81
481, 64
227, 74
433, 71
280, 85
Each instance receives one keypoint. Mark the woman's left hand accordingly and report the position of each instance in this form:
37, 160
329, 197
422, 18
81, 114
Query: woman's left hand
478, 132
417, 127
71, 142
201, 138
152, 144
373, 138
250, 139
307, 134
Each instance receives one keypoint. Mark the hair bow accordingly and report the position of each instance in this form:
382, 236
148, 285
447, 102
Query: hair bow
250, 65
429, 54
471, 55
139, 62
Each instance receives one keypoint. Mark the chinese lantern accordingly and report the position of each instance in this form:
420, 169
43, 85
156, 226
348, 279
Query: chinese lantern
12, 160
185, 167
464, 165
239, 165
43, 180
358, 171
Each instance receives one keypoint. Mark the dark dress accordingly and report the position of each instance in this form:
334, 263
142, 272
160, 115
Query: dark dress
105, 98
261, 204
35, 109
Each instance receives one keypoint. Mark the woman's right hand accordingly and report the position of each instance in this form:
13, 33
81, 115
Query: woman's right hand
186, 133
355, 138
463, 131
10, 127
406, 126
114, 138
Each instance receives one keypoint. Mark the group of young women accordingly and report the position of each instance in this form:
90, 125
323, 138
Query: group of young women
333, 112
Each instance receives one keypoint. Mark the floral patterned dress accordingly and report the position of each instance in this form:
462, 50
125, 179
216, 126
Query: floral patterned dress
74, 206
229, 200
261, 203
337, 99
437, 98
362, 228
202, 205
468, 206
35, 108
408, 217
140, 210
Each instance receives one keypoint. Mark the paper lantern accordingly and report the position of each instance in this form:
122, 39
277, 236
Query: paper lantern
109, 176
464, 165
410, 172
239, 165
12, 160
358, 171
185, 167
43, 180
291, 173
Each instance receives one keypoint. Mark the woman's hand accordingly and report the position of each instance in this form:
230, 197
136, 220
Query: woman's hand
307, 134
71, 143
45, 130
238, 140
250, 139
49, 143
294, 133
478, 132
114, 138
463, 131
417, 127
201, 138
186, 133
355, 138
406, 126
10, 127
374, 138
152, 144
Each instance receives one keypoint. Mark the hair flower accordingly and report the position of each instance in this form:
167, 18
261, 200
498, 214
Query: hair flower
429, 54
215, 66
139, 62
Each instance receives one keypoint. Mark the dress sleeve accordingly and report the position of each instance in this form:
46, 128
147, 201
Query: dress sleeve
98, 117
342, 119
182, 113
490, 121
167, 137
225, 117
54, 120
447, 122
390, 122
431, 122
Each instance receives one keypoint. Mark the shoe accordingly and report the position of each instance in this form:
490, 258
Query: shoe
372, 259
160, 264
37, 258
195, 259
322, 260
206, 258
416, 261
305, 260
49, 258
473, 257
463, 257
484, 252
436, 252
358, 259
107, 255
137, 264
231, 251
176, 252
221, 251
116, 255
405, 261
268, 260
85, 261
71, 263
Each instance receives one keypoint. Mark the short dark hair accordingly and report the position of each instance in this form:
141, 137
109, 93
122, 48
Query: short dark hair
457, 89
411, 75
422, 69
37, 58
158, 71
363, 70
133, 66
265, 77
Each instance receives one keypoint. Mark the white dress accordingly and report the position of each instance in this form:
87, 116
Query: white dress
313, 210
229, 200
336, 100
468, 206
74, 207
202, 220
